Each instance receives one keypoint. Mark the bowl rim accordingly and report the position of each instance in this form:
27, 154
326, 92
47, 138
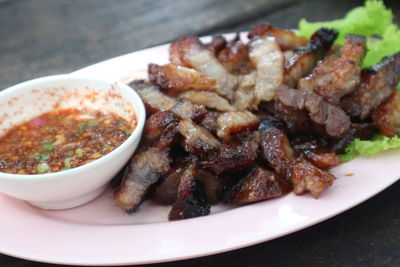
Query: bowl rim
140, 115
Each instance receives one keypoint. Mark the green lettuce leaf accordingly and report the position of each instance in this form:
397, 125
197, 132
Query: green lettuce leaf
369, 147
372, 20
375, 21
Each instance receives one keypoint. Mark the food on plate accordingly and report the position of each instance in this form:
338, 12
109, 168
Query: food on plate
60, 140
237, 121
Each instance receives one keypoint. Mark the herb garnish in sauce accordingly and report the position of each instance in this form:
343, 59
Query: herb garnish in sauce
61, 140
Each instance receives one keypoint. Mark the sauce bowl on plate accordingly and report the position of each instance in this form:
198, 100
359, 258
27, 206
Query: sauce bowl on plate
71, 187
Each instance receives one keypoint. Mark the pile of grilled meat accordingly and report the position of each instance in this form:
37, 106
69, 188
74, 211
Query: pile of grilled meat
237, 122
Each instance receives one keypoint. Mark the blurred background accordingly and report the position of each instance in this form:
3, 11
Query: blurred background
43, 37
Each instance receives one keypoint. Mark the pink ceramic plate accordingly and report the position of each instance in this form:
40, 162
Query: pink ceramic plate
99, 233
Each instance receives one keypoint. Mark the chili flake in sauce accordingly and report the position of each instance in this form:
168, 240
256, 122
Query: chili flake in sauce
61, 140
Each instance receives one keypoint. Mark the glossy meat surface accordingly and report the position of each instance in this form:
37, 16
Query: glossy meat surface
336, 76
377, 84
306, 177
260, 184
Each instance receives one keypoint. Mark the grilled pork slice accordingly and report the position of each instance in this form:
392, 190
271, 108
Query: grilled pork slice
212, 185
210, 122
142, 171
235, 158
153, 99
198, 141
235, 57
193, 54
302, 60
377, 84
235, 121
268, 60
185, 109
166, 191
332, 119
155, 125
322, 159
173, 79
191, 199
306, 177
297, 121
320, 156
260, 184
275, 148
387, 116
209, 99
336, 76
286, 39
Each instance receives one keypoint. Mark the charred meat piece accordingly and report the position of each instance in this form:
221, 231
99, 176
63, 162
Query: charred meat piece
209, 99
306, 177
212, 185
322, 159
198, 140
191, 200
173, 79
235, 121
275, 147
260, 184
166, 191
315, 152
333, 119
210, 122
297, 121
153, 99
185, 109
377, 84
217, 44
193, 54
155, 125
303, 59
268, 60
336, 76
142, 171
387, 116
286, 39
235, 57
169, 136
236, 157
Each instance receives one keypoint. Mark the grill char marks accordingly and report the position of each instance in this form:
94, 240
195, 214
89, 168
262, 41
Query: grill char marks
275, 146
301, 60
336, 76
260, 184
191, 199
142, 171
377, 84
235, 158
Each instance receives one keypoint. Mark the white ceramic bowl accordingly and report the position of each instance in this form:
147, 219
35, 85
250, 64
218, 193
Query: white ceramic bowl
74, 187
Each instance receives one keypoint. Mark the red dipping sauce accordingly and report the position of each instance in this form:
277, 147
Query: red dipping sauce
61, 140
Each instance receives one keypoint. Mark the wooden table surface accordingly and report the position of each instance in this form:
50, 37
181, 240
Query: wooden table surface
43, 37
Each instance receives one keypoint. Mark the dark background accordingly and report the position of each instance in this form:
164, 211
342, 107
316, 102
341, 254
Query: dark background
43, 37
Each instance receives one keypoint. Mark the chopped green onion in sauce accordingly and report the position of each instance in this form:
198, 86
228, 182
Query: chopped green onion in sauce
61, 140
